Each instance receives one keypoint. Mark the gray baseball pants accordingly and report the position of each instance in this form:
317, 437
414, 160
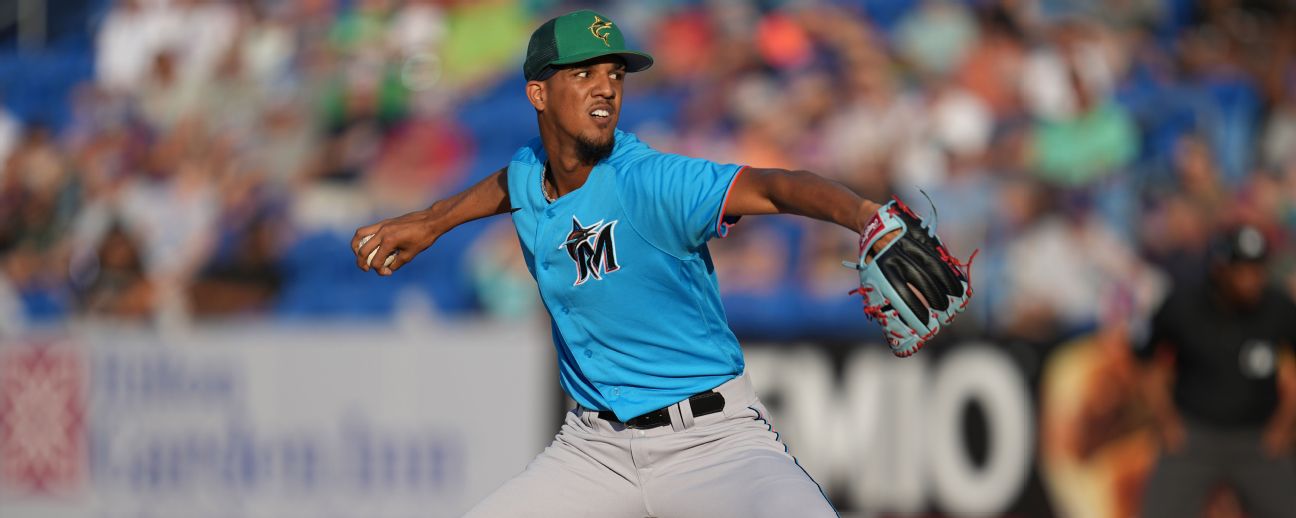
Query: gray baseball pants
725, 464
1181, 482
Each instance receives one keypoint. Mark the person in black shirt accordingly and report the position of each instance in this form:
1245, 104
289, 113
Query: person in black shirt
1221, 383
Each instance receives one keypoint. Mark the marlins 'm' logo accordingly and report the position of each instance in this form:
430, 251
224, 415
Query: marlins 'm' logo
592, 248
600, 29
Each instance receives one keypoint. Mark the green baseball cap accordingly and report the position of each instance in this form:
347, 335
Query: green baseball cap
575, 37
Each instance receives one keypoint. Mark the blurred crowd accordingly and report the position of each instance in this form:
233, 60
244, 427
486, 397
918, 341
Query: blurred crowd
218, 160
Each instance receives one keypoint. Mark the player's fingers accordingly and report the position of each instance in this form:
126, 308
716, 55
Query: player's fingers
371, 251
361, 233
398, 259
885, 240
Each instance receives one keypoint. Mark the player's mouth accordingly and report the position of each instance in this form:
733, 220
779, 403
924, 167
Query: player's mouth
601, 115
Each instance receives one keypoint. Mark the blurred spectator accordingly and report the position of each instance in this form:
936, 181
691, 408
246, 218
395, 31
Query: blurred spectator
38, 197
132, 35
1279, 139
114, 284
360, 107
173, 208
992, 68
165, 96
936, 36
39, 194
876, 118
230, 103
282, 146
1226, 99
1099, 269
242, 278
266, 43
1177, 228
1081, 134
210, 29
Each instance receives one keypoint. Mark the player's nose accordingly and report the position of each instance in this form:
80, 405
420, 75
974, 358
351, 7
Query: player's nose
604, 88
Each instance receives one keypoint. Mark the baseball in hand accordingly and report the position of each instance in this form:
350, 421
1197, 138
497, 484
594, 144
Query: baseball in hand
369, 260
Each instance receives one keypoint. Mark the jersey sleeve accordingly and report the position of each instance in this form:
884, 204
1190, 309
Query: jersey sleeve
678, 202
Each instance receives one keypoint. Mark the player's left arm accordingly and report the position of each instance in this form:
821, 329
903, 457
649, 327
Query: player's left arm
910, 283
779, 191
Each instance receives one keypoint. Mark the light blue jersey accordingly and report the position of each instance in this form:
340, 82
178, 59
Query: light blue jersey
623, 268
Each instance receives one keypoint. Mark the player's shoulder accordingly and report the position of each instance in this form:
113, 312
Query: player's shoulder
629, 152
531, 154
633, 158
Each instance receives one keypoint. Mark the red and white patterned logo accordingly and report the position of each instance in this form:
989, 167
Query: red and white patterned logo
871, 230
42, 420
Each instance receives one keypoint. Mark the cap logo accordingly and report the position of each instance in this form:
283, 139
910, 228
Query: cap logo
601, 29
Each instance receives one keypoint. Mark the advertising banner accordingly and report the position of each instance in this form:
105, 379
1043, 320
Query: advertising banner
269, 422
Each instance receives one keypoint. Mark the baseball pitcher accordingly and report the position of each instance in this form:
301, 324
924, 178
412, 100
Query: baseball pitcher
666, 424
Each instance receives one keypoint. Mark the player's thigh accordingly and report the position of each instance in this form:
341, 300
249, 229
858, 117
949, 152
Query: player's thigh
744, 470
566, 480
763, 484
1179, 485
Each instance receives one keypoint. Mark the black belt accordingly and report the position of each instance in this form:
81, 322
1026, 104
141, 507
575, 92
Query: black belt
705, 403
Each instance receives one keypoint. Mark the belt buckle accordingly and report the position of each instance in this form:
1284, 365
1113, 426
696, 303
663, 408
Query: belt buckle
650, 420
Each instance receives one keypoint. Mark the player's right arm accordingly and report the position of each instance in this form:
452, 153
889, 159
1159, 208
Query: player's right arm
413, 233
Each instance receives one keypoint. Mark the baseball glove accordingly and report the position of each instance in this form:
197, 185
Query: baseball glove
912, 286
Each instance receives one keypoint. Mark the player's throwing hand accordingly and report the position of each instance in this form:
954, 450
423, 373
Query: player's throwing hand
397, 240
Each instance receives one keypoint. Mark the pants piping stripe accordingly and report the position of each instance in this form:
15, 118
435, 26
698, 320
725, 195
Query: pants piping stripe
794, 459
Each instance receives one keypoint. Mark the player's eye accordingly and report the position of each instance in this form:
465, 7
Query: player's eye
582, 74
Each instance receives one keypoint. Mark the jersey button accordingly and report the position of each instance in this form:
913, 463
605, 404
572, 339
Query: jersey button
545, 265
566, 310
549, 212
616, 391
589, 353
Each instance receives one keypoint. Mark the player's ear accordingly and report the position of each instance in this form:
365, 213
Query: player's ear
536, 93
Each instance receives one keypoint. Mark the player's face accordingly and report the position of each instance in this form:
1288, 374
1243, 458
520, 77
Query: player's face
584, 101
1244, 282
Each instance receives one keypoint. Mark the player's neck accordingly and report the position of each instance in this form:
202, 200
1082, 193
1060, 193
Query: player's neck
567, 171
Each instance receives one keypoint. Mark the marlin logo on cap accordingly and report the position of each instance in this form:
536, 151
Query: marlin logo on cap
600, 29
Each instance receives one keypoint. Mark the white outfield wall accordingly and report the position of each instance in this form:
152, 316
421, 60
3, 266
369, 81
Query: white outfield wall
269, 421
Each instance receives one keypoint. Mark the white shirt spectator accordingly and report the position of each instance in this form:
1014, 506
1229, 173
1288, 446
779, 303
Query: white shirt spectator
131, 35
1073, 270
211, 28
